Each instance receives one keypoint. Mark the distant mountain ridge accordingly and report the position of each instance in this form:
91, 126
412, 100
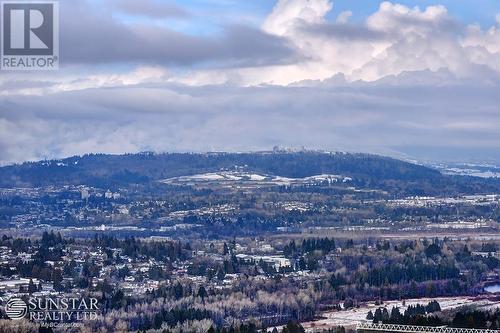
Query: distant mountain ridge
122, 170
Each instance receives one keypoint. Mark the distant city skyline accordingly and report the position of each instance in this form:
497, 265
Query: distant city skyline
399, 78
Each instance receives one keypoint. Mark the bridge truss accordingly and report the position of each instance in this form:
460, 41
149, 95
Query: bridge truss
392, 328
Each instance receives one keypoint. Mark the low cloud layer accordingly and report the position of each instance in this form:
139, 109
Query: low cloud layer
333, 115
402, 77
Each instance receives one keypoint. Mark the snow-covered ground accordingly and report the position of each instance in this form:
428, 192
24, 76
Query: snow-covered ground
484, 170
351, 317
248, 177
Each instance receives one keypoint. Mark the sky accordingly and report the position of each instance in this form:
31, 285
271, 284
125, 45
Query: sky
404, 78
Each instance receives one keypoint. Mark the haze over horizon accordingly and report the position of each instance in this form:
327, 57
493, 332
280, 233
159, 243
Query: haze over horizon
387, 78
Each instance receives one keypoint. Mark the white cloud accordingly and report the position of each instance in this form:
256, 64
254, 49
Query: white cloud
488, 39
400, 20
403, 77
344, 16
288, 14
393, 40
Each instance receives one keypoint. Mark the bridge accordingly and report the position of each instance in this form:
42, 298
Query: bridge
392, 328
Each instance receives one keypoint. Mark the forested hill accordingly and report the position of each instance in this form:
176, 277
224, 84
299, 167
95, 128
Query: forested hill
122, 170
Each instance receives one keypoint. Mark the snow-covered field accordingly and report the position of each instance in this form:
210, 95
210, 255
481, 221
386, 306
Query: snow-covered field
248, 177
351, 317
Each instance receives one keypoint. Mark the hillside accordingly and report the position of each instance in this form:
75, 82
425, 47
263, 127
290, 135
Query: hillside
122, 170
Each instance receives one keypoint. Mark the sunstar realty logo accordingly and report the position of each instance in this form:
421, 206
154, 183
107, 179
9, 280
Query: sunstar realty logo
53, 311
16, 309
30, 35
